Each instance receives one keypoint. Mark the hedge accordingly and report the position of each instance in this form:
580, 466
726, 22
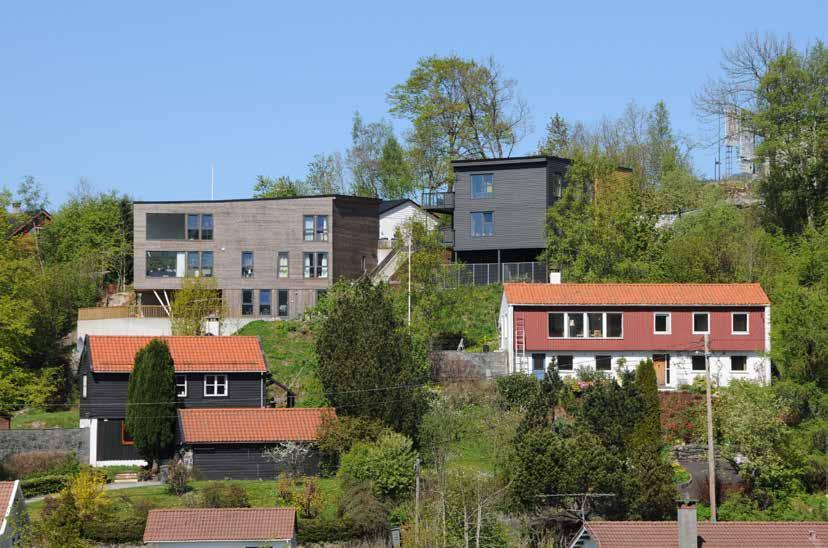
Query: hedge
45, 485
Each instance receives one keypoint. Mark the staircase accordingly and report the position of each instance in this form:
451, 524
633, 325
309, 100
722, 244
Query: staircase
126, 477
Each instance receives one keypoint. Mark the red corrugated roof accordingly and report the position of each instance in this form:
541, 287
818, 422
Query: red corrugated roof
251, 425
229, 524
724, 534
6, 496
189, 354
636, 294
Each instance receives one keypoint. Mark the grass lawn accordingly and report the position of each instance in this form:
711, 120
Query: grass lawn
34, 418
289, 348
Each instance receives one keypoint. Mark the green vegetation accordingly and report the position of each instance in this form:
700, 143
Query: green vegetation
197, 299
34, 418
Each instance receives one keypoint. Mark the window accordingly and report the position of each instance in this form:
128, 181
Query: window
322, 228
698, 363
247, 264
564, 363
264, 302
739, 323
283, 265
575, 324
482, 186
207, 263
193, 227
315, 227
282, 295
615, 324
247, 302
181, 386
539, 362
556, 324
215, 385
595, 320
738, 363
126, 439
165, 226
701, 322
207, 227
603, 363
554, 190
83, 381
482, 223
308, 228
316, 265
166, 264
661, 323
193, 263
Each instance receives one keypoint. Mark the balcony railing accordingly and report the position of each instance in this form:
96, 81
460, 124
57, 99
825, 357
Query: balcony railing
438, 200
488, 273
114, 312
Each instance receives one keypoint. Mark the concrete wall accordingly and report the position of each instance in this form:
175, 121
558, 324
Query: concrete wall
151, 327
451, 364
46, 439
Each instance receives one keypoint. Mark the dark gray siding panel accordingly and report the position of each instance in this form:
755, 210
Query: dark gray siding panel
241, 462
519, 205
106, 395
109, 442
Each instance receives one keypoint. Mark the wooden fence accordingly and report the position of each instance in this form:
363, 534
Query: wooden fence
115, 312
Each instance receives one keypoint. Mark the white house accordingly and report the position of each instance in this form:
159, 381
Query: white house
394, 214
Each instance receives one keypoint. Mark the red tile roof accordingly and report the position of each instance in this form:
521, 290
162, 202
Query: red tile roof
726, 534
189, 354
251, 425
636, 294
194, 524
7, 490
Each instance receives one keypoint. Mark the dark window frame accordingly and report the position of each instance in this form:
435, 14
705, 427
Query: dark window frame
485, 193
483, 224
279, 293
570, 359
695, 361
279, 255
742, 368
251, 271
603, 358
245, 304
269, 304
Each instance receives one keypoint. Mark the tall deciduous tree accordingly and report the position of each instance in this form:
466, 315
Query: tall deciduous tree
395, 176
31, 195
365, 155
150, 405
325, 174
557, 142
369, 364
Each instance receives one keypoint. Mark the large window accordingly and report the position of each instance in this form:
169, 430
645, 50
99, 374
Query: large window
165, 226
564, 362
603, 363
698, 363
482, 223
482, 185
193, 232
316, 265
199, 227
200, 263
283, 264
247, 264
215, 385
282, 295
739, 323
738, 363
207, 263
181, 386
264, 302
661, 323
315, 227
207, 227
595, 325
247, 302
166, 264
701, 323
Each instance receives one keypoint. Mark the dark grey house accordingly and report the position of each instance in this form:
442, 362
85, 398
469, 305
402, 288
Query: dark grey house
211, 372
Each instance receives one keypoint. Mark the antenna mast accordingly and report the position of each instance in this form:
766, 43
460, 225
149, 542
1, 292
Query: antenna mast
212, 181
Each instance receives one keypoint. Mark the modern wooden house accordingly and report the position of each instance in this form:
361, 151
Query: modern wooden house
221, 528
271, 258
612, 327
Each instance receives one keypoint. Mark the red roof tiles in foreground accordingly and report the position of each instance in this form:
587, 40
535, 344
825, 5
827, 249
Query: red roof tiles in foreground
7, 490
194, 524
190, 354
727, 534
636, 294
251, 425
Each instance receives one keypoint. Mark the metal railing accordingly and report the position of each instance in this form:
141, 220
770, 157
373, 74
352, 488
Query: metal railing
115, 312
438, 200
487, 273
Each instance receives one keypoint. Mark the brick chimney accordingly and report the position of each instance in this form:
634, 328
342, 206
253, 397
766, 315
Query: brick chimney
688, 530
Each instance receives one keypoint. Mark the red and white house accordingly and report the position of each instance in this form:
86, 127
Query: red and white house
611, 327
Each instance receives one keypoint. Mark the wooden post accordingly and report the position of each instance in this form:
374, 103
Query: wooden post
711, 454
417, 502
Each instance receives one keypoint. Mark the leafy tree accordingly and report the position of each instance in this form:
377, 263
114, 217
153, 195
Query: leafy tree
150, 405
325, 174
369, 364
280, 187
557, 140
394, 173
197, 299
31, 195
366, 153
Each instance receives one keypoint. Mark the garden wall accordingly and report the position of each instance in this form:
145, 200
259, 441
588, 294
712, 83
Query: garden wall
451, 364
45, 439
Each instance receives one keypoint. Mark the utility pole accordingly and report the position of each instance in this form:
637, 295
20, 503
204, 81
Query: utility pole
410, 237
212, 181
711, 454
417, 502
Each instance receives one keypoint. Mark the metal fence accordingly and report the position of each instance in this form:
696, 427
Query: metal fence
487, 273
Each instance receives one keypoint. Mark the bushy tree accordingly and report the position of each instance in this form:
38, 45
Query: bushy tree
369, 363
280, 187
150, 406
325, 174
387, 462
197, 299
394, 173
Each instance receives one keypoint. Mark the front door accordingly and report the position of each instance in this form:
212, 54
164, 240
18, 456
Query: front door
539, 365
661, 363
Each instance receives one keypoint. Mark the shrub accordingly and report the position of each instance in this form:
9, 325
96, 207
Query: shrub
178, 476
39, 463
223, 495
388, 463
338, 435
88, 491
515, 391
44, 485
365, 514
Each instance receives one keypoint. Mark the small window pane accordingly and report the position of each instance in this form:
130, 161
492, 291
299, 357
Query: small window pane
322, 265
538, 362
308, 228
264, 302
247, 264
482, 185
322, 228
740, 323
192, 227
207, 227
738, 363
564, 363
556, 324
308, 264
181, 386
698, 363
283, 270
482, 223
615, 321
603, 363
247, 302
596, 324
662, 323
575, 324
283, 303
193, 264
700, 322
207, 263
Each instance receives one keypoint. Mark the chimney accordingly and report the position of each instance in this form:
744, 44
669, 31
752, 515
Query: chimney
688, 531
555, 277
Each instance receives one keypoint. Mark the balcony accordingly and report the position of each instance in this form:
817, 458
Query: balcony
447, 236
438, 201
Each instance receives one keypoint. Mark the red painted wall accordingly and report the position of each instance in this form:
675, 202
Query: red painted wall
638, 331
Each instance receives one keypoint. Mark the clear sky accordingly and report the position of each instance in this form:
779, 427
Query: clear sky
144, 96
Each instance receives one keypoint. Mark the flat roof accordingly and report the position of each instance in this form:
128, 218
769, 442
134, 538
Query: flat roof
336, 196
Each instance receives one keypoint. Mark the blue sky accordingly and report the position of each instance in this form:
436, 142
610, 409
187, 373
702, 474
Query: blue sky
144, 97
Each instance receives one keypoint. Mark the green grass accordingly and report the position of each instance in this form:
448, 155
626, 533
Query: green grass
289, 348
34, 418
472, 312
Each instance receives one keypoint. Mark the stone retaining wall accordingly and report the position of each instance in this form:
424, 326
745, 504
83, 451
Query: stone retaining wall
451, 364
45, 439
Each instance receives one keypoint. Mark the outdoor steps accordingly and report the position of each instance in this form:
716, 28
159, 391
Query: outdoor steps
126, 477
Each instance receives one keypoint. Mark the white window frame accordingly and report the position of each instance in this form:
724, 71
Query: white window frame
216, 384
747, 323
178, 384
669, 323
585, 325
693, 326
84, 386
